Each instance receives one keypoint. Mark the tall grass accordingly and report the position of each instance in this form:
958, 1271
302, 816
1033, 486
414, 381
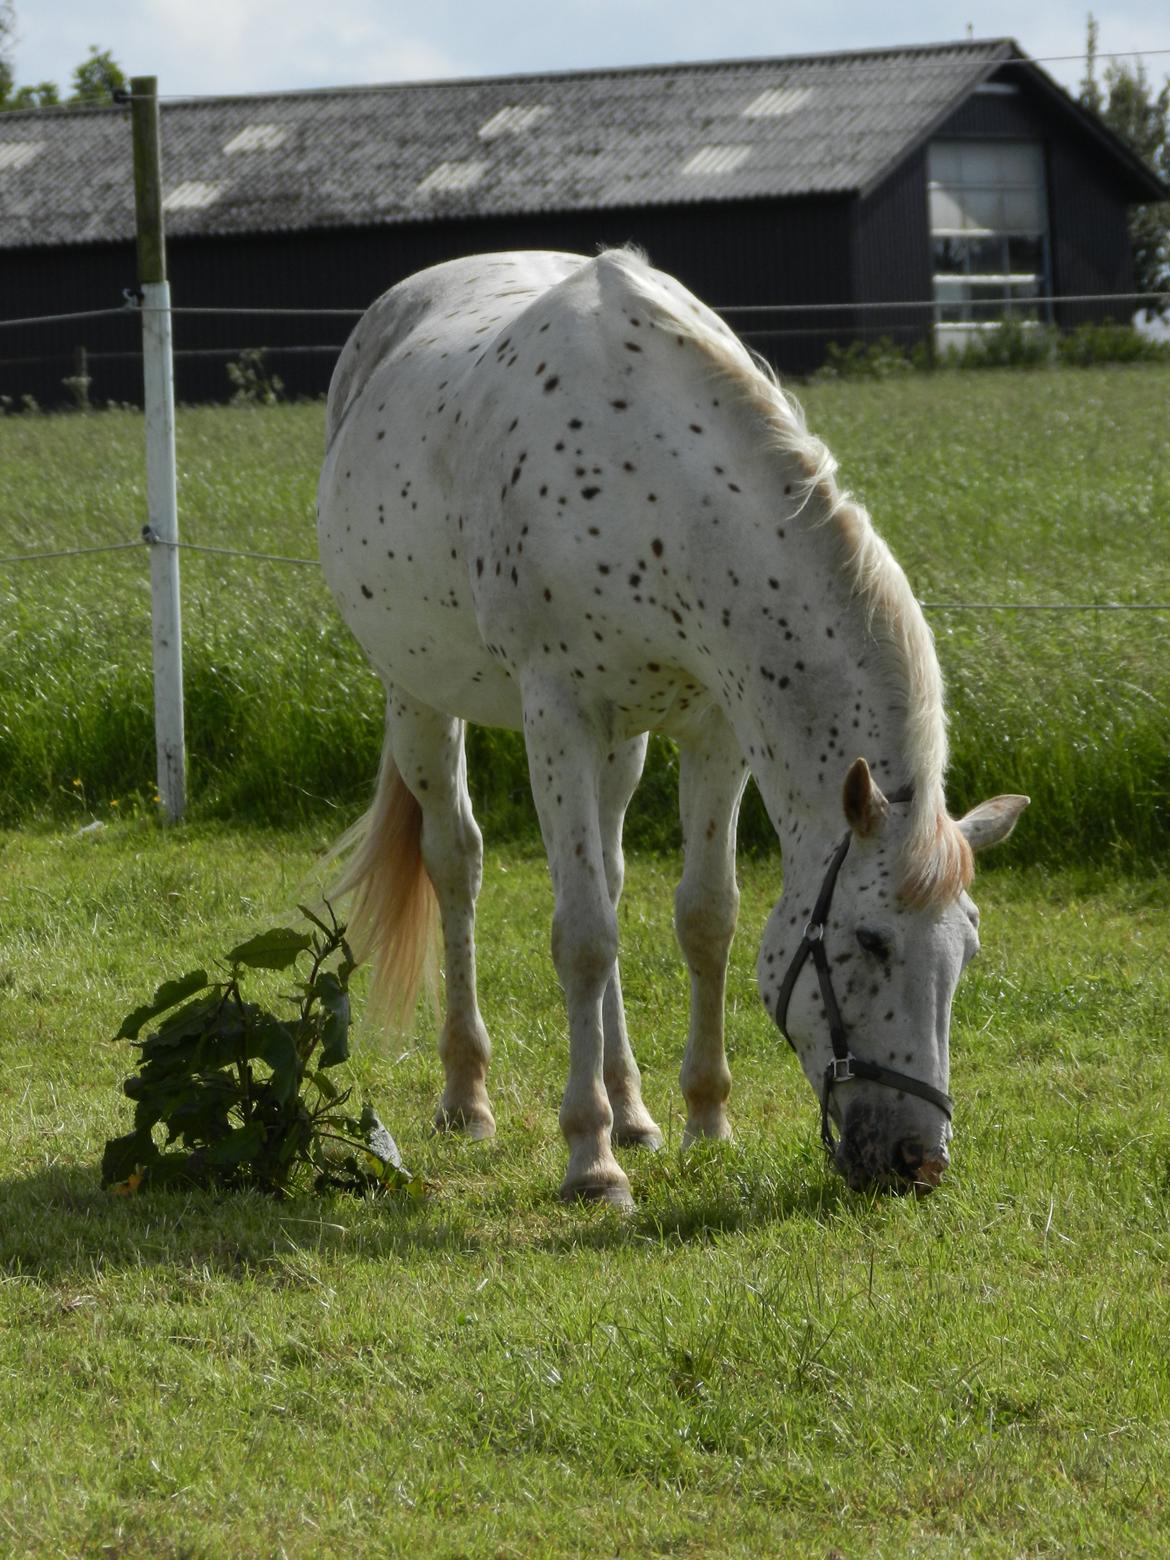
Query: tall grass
991, 487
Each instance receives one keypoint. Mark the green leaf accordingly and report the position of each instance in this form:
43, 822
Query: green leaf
168, 995
328, 1089
186, 1023
335, 1036
273, 1043
275, 949
243, 1143
123, 1155
310, 915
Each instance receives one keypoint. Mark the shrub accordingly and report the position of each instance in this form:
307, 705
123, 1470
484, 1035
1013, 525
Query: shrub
245, 1094
255, 383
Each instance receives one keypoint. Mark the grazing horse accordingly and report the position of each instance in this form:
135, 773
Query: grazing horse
559, 495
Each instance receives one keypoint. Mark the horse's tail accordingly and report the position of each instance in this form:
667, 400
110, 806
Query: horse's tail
393, 917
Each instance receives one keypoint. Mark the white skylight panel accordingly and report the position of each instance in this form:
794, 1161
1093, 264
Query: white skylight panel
193, 195
18, 154
258, 138
776, 102
717, 159
453, 176
513, 120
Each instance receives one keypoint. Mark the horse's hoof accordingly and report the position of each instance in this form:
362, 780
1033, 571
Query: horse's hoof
474, 1124
637, 1137
710, 1131
615, 1194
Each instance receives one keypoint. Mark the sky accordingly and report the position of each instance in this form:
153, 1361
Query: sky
198, 47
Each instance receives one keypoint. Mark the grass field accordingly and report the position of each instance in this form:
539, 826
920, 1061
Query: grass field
757, 1362
1050, 487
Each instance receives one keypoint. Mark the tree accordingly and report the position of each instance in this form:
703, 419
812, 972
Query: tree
97, 78
1129, 105
94, 80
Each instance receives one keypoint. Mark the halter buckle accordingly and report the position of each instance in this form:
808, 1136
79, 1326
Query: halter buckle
814, 931
841, 1069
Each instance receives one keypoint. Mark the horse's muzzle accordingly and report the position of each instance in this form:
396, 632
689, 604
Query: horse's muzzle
867, 1164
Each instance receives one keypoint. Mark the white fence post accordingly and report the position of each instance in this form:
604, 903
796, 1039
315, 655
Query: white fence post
161, 483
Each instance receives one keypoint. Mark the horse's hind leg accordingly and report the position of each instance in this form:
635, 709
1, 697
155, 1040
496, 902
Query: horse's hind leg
712, 776
566, 755
632, 1122
428, 750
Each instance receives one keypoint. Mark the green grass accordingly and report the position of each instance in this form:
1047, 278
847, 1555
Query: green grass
757, 1362
1051, 486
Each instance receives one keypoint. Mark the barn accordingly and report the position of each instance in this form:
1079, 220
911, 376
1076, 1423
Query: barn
917, 193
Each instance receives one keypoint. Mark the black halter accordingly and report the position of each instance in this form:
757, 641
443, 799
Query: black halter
844, 1065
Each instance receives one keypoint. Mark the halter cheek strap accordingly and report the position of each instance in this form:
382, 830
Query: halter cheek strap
844, 1065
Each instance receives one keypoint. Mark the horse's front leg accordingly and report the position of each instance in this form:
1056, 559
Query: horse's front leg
566, 750
712, 776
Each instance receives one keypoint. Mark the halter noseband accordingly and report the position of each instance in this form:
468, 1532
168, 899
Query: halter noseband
844, 1065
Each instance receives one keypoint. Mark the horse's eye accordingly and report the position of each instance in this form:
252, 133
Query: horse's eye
873, 942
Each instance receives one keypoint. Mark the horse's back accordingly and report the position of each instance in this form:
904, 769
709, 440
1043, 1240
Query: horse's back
440, 303
498, 462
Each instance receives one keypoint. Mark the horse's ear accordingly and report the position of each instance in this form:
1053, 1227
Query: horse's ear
992, 821
865, 805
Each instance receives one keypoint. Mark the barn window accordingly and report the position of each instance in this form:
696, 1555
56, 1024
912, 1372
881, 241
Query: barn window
717, 159
989, 232
512, 120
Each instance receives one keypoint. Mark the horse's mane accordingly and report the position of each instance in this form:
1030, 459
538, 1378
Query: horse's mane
937, 863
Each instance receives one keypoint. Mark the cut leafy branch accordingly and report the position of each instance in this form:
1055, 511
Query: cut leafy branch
243, 1095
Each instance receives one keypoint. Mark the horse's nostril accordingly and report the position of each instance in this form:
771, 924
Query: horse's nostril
908, 1156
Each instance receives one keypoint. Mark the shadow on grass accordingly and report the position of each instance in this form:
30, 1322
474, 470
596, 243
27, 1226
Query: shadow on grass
686, 1203
60, 1225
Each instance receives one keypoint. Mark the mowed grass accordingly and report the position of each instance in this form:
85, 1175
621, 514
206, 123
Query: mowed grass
757, 1362
992, 487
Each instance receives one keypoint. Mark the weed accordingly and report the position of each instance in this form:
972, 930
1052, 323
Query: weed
246, 1094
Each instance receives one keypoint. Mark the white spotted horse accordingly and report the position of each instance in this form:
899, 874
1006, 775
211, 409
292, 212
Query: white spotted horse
560, 496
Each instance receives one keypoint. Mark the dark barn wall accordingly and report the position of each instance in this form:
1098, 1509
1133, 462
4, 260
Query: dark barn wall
733, 254
1087, 213
892, 248
34, 359
1092, 252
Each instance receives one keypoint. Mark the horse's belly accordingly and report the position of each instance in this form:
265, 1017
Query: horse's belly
407, 600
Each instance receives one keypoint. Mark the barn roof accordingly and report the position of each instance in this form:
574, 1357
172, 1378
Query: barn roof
370, 156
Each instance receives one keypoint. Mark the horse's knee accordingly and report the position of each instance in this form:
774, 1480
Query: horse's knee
584, 947
705, 925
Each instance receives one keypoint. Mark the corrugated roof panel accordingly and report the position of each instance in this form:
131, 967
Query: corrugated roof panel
512, 120
257, 138
775, 102
191, 195
452, 176
716, 159
18, 154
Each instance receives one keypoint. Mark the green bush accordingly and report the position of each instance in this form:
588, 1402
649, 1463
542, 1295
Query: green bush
245, 1096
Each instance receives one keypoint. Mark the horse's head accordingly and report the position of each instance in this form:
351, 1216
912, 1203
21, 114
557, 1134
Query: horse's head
859, 972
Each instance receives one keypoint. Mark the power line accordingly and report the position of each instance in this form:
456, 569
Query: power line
799, 65
1045, 606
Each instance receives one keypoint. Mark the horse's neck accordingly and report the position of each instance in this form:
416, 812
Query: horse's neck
812, 688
